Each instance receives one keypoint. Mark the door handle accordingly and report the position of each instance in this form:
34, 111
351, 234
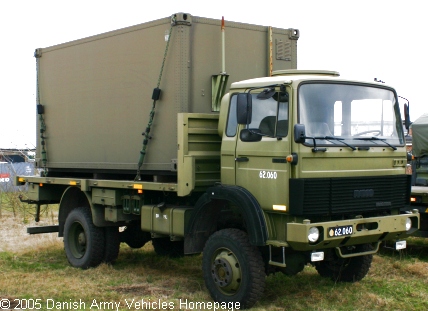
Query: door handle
279, 160
242, 159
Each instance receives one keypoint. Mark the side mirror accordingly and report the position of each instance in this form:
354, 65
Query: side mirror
406, 116
244, 108
299, 133
250, 135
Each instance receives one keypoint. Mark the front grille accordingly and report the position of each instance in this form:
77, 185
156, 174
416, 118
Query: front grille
350, 195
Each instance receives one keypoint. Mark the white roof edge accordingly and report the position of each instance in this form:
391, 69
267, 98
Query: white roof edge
289, 76
265, 81
297, 72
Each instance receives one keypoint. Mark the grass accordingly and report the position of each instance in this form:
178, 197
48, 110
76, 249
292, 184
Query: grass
396, 281
393, 283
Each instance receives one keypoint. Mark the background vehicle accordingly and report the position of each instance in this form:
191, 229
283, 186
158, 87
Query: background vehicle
419, 197
292, 168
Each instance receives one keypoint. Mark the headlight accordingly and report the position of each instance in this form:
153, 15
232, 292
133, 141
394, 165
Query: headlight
408, 224
313, 234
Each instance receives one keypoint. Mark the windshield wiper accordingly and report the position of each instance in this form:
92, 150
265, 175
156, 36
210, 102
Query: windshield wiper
316, 149
340, 140
378, 139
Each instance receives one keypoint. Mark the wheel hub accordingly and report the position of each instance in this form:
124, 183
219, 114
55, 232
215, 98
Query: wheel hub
222, 272
81, 239
226, 271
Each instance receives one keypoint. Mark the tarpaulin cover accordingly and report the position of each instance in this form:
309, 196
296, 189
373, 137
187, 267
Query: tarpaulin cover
420, 136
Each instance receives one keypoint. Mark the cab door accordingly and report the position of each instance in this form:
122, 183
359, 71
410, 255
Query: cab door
260, 164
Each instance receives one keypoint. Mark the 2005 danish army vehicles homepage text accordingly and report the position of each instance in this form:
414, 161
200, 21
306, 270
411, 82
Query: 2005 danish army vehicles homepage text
260, 167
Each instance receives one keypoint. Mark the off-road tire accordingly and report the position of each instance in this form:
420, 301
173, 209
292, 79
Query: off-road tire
347, 269
112, 244
84, 243
166, 247
233, 269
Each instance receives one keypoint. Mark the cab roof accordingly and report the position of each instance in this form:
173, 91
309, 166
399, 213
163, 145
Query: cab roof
290, 76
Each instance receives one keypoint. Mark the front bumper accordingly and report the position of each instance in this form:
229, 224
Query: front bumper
364, 230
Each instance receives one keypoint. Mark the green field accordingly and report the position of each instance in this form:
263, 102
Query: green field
35, 271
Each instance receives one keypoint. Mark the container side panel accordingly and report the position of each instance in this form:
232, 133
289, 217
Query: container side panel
97, 91
246, 55
97, 98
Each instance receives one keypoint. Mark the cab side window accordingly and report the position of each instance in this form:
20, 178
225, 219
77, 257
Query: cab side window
232, 122
270, 116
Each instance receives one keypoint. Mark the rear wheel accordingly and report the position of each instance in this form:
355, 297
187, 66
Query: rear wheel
166, 247
134, 237
347, 269
233, 268
83, 241
112, 244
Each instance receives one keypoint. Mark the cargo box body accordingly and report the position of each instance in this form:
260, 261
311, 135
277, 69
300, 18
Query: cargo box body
97, 91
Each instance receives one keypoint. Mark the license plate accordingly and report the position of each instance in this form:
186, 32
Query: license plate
340, 231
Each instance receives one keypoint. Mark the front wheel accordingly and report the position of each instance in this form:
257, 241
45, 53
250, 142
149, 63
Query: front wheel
83, 241
347, 269
233, 268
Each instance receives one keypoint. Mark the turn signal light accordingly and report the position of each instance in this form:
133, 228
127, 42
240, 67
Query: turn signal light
292, 158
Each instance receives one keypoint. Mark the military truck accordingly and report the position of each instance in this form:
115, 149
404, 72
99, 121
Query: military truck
263, 168
419, 195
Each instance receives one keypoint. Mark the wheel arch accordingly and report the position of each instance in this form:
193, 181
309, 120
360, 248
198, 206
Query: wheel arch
73, 197
204, 219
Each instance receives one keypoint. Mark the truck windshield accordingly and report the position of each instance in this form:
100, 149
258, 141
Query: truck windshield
359, 115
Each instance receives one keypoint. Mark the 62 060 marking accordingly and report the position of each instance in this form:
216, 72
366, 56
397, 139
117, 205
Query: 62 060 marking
268, 175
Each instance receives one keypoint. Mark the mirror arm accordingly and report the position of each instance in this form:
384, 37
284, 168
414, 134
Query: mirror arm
406, 114
315, 148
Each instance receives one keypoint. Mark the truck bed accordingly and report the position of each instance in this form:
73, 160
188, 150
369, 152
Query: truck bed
197, 164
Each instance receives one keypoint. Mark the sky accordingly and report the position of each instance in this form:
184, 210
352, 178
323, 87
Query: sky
360, 39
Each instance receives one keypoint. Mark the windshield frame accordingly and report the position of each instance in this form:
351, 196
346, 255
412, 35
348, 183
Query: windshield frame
397, 139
